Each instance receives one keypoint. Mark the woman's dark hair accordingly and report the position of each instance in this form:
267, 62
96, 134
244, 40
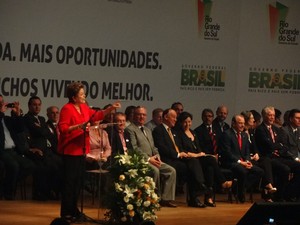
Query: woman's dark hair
183, 116
73, 89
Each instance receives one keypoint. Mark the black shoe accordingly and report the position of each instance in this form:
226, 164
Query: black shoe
196, 203
67, 219
209, 202
165, 203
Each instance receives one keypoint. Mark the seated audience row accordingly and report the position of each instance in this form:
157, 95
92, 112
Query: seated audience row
178, 155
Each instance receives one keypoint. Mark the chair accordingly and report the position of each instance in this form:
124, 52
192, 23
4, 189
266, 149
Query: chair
96, 181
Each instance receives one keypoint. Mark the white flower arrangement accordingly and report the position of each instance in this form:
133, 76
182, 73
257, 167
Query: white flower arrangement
133, 196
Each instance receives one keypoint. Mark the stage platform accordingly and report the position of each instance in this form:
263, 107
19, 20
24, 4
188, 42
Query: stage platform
28, 212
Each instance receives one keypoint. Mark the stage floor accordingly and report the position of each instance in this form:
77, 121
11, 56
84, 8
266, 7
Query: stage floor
28, 212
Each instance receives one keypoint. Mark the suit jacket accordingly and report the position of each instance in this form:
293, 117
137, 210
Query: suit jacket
205, 140
16, 127
141, 142
218, 128
116, 143
53, 136
165, 144
291, 141
38, 134
264, 142
230, 150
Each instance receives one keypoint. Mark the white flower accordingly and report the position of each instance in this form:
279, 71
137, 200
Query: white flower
126, 199
125, 159
154, 196
132, 173
139, 203
148, 179
146, 203
118, 187
129, 192
130, 207
147, 216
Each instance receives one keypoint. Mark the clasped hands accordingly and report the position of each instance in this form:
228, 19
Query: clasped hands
155, 161
190, 154
246, 164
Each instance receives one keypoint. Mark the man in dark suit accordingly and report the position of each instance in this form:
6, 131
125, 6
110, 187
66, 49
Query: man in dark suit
187, 169
291, 141
219, 122
206, 133
270, 143
119, 138
235, 154
142, 141
53, 117
49, 165
13, 149
292, 134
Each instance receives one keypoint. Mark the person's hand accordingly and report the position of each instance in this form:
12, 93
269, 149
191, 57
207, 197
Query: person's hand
37, 151
247, 164
255, 157
276, 153
116, 105
90, 159
155, 161
195, 155
183, 155
16, 109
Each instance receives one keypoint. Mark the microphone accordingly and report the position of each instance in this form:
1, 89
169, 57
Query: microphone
103, 125
95, 108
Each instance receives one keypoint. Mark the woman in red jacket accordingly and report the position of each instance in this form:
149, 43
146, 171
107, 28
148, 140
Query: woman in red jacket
74, 144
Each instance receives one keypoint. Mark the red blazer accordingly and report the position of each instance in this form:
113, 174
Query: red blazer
72, 143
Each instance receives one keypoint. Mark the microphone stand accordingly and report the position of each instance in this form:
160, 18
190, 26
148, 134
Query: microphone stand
84, 127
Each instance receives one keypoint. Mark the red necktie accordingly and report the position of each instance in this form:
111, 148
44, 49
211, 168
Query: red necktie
271, 133
239, 137
213, 139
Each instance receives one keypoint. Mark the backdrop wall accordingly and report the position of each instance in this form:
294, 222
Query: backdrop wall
244, 54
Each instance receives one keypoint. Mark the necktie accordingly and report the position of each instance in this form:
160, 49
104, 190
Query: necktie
239, 138
222, 126
172, 138
213, 139
142, 129
121, 134
272, 133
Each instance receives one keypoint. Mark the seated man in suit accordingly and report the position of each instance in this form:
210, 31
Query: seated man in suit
119, 138
142, 141
206, 133
53, 117
188, 169
291, 141
292, 134
13, 149
272, 144
235, 154
219, 122
47, 175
